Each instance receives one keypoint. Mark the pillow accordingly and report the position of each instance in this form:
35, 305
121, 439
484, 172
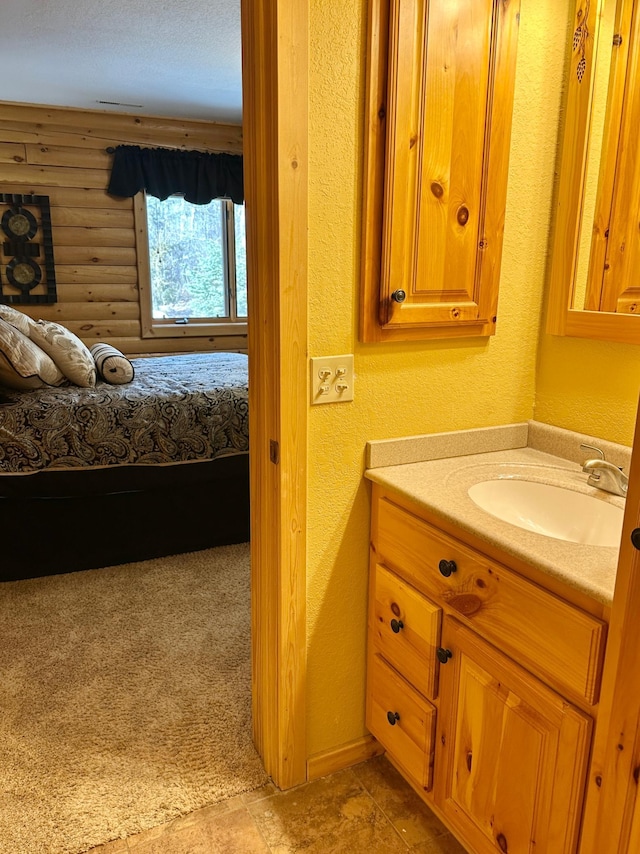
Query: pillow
17, 319
67, 351
112, 365
23, 365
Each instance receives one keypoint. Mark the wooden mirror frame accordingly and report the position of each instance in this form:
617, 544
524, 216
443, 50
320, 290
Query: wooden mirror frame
562, 318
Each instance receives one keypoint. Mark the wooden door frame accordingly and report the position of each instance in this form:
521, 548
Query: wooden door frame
612, 810
275, 85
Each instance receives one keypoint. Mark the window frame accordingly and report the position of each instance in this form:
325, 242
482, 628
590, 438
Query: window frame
152, 327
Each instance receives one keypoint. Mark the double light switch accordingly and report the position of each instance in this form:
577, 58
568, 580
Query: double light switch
331, 378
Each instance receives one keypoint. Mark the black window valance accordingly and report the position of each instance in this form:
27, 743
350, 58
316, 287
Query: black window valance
162, 172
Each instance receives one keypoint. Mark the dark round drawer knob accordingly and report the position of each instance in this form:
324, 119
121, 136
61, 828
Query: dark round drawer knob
392, 717
446, 567
443, 654
396, 625
399, 295
635, 538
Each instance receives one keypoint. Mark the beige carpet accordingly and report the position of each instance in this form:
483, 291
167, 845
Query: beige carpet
124, 699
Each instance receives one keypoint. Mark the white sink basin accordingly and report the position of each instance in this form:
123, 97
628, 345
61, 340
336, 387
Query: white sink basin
551, 510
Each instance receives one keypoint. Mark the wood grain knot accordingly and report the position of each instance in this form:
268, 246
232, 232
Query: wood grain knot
501, 839
413, 141
469, 761
437, 189
463, 215
455, 313
395, 609
18, 159
480, 583
465, 603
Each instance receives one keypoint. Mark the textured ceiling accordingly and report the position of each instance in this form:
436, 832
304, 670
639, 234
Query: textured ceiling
176, 58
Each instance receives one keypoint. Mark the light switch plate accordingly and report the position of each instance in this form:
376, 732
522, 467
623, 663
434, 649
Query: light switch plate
331, 378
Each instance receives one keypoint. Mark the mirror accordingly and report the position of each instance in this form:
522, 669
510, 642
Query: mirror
595, 278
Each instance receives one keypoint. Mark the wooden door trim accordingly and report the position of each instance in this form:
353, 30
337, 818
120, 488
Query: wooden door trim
612, 809
275, 85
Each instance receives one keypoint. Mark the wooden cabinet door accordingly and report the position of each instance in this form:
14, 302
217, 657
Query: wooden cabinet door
511, 755
450, 69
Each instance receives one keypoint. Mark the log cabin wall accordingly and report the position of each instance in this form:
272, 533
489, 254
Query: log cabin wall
61, 153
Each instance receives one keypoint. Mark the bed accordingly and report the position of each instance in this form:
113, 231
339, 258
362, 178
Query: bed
119, 473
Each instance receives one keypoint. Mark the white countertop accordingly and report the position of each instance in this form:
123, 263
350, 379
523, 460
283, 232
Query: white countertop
440, 486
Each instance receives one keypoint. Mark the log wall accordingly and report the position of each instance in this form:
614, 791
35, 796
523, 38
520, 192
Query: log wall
61, 153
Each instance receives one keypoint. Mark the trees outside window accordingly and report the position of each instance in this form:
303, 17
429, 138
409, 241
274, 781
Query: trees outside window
197, 261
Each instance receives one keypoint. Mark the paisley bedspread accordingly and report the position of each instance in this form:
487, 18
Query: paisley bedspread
177, 409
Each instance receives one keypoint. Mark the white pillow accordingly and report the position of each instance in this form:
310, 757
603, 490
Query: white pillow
67, 351
17, 319
23, 365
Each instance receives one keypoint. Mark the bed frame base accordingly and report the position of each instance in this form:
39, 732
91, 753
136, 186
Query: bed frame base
56, 522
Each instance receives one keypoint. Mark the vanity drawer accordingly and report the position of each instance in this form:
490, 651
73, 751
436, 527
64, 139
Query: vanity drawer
402, 721
406, 630
554, 639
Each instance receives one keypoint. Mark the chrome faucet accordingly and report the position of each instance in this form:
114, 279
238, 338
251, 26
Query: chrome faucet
605, 475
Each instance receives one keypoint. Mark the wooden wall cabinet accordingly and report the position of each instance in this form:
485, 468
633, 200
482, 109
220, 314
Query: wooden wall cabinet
440, 94
482, 686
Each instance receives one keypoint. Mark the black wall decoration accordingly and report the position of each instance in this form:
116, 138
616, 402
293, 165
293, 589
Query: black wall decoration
27, 250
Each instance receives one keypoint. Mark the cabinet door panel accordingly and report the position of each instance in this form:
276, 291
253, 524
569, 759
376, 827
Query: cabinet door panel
512, 755
433, 207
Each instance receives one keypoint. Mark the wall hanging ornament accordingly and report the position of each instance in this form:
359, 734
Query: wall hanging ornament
27, 253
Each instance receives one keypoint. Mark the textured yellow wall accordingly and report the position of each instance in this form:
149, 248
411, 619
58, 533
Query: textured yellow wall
403, 389
589, 386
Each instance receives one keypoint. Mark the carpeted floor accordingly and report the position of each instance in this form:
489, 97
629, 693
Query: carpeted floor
124, 699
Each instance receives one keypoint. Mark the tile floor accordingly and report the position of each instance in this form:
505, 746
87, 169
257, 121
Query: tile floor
368, 808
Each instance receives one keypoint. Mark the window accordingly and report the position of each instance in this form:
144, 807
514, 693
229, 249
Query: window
197, 268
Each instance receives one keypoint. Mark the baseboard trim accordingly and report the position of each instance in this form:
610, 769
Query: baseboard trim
337, 758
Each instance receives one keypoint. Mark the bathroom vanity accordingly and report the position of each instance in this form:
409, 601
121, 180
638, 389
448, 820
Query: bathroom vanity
486, 641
